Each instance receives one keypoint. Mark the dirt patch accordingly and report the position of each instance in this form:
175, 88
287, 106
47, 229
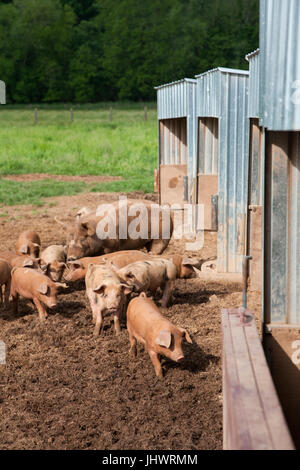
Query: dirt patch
63, 389
44, 176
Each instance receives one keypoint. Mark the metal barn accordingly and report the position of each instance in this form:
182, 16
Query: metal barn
177, 140
222, 160
256, 176
280, 115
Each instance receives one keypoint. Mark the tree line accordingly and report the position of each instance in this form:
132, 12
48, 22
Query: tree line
107, 50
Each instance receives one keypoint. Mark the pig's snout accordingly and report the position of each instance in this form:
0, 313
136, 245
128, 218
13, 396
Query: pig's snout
180, 359
53, 306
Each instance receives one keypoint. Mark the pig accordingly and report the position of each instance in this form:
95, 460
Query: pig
147, 325
106, 294
53, 262
35, 286
77, 269
28, 243
5, 280
83, 240
150, 275
17, 261
184, 265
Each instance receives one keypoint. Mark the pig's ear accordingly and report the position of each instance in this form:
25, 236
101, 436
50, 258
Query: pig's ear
28, 263
126, 289
186, 335
24, 249
99, 289
164, 338
88, 228
43, 288
189, 262
45, 267
197, 271
77, 264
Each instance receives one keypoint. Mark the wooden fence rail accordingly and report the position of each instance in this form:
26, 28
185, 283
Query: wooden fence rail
252, 415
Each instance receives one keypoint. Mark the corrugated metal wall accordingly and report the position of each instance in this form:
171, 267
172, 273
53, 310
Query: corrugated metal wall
175, 101
253, 59
223, 93
173, 141
282, 228
208, 146
280, 64
2, 92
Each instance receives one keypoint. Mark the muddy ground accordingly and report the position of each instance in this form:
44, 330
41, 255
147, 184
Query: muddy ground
61, 388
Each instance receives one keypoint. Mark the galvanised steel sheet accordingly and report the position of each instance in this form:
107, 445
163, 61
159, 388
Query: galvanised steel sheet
223, 94
2, 92
253, 59
282, 228
177, 100
280, 64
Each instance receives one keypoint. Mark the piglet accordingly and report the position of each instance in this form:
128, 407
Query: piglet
29, 243
53, 261
5, 279
146, 325
35, 286
107, 295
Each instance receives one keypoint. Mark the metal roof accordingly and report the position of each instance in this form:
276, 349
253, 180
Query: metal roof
224, 70
189, 80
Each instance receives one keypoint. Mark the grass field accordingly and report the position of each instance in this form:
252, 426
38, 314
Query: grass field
90, 145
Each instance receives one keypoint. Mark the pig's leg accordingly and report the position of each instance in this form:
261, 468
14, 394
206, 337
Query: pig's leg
132, 350
167, 295
15, 303
156, 362
117, 323
41, 309
7, 293
98, 324
158, 246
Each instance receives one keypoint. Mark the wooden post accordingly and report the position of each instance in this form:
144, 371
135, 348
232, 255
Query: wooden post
110, 114
35, 116
71, 115
146, 113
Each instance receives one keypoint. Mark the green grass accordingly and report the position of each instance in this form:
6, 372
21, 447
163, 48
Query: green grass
91, 145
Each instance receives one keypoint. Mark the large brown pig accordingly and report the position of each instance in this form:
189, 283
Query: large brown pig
35, 286
28, 243
5, 280
77, 269
84, 239
53, 261
106, 294
146, 276
146, 325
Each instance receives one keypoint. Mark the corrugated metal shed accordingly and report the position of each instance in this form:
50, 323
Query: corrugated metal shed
223, 94
176, 103
2, 92
253, 59
280, 64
